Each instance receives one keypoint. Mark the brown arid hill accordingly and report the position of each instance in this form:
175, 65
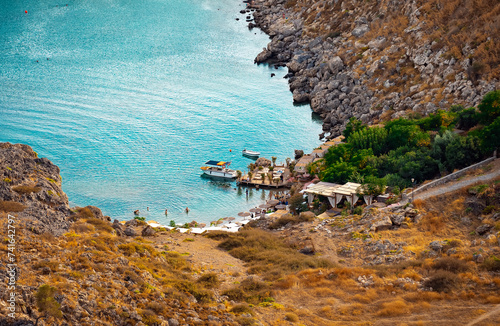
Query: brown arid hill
377, 60
431, 263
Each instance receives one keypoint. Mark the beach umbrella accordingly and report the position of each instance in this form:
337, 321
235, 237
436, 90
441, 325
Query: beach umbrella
280, 207
232, 218
256, 210
265, 206
202, 225
273, 202
243, 214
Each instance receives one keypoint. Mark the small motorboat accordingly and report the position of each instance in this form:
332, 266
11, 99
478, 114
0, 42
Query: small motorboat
249, 153
219, 169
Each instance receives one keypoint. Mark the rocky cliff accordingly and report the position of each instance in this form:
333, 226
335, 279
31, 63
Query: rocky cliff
381, 59
31, 187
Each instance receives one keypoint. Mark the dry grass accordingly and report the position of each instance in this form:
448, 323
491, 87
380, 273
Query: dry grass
11, 206
26, 189
394, 308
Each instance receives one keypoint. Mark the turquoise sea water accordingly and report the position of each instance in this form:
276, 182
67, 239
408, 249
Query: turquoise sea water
130, 98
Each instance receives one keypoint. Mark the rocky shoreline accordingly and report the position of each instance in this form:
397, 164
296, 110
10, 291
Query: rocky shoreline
345, 75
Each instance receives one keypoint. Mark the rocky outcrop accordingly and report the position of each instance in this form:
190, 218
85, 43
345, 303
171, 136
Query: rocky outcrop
30, 188
357, 70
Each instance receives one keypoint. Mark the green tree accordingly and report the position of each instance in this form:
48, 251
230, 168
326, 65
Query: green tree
462, 152
373, 186
490, 136
352, 126
46, 304
374, 138
239, 174
403, 132
296, 203
489, 107
467, 118
439, 145
273, 158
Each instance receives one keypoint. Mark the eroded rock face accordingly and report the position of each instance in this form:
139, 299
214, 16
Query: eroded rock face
339, 74
30, 188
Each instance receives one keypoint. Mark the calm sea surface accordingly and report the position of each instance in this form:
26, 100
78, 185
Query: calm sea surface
130, 98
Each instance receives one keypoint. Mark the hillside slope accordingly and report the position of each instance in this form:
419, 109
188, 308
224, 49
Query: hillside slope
382, 59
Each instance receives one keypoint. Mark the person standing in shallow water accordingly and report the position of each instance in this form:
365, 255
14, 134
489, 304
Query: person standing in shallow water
187, 210
166, 211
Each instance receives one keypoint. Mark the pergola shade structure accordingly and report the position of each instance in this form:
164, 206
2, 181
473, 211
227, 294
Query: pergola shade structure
334, 192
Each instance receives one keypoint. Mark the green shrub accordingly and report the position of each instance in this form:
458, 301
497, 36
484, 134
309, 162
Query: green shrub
140, 218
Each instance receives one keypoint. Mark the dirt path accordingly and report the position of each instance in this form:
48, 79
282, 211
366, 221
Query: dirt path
485, 316
205, 256
458, 184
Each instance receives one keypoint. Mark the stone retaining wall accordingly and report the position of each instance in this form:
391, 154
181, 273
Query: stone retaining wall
448, 178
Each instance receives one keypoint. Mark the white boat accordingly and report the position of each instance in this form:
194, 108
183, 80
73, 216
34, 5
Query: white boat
247, 152
219, 169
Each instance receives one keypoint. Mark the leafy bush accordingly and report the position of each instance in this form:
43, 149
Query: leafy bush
140, 218
489, 107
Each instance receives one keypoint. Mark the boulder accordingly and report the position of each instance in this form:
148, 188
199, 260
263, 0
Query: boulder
397, 219
307, 250
148, 231
298, 153
130, 232
132, 222
360, 30
483, 229
436, 245
335, 65
382, 223
476, 206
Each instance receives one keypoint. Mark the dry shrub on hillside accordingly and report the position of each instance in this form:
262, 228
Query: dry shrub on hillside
451, 264
442, 281
265, 253
492, 264
242, 308
80, 227
100, 225
26, 189
11, 206
394, 308
209, 280
82, 213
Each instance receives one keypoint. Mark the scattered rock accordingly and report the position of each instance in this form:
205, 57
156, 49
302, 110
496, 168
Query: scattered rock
483, 229
436, 246
148, 231
130, 232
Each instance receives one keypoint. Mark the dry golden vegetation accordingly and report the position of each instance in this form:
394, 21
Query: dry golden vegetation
117, 277
432, 287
